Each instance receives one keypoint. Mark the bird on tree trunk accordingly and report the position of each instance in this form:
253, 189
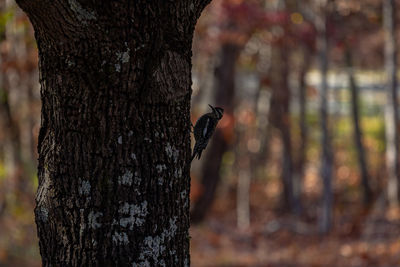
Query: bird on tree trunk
204, 129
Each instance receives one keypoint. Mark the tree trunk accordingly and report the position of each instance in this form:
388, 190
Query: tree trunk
13, 164
391, 107
114, 144
13, 183
224, 88
243, 194
280, 118
367, 193
327, 156
302, 149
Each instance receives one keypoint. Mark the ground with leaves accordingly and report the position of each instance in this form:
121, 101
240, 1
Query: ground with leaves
361, 237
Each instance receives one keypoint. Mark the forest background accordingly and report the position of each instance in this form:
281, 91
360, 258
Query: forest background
303, 169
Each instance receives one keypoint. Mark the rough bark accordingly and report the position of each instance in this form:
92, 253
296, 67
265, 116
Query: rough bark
114, 143
362, 161
391, 107
224, 94
326, 168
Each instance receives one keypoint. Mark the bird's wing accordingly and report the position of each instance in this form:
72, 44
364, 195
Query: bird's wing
206, 127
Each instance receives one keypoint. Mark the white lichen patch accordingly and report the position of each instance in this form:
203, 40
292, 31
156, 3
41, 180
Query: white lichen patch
155, 246
173, 253
178, 173
141, 264
172, 227
185, 199
126, 178
70, 63
183, 194
138, 179
120, 238
133, 156
82, 14
157, 134
172, 152
120, 140
140, 47
136, 215
168, 150
147, 139
123, 56
84, 187
93, 217
42, 214
160, 180
161, 167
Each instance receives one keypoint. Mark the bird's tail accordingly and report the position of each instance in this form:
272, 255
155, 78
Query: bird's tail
198, 153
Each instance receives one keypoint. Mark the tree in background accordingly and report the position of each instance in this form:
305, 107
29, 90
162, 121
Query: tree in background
280, 118
351, 29
362, 159
235, 29
391, 107
326, 168
224, 97
18, 114
114, 144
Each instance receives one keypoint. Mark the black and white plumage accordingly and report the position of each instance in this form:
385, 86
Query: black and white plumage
204, 129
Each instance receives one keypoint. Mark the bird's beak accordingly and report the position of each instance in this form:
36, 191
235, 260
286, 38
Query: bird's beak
213, 109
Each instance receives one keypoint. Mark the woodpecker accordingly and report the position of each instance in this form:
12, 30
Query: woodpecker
204, 128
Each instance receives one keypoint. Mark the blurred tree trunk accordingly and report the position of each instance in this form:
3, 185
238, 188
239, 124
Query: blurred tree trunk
362, 162
224, 96
11, 147
12, 143
302, 149
243, 192
327, 156
31, 122
391, 107
114, 144
280, 118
